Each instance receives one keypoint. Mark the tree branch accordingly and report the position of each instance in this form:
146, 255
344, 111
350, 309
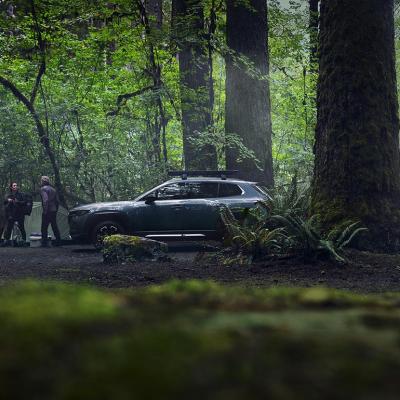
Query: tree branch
42, 68
122, 99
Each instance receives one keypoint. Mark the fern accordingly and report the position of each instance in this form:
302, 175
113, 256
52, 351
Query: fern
248, 236
306, 237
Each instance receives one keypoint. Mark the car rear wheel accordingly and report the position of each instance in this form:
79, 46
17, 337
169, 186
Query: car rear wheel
103, 229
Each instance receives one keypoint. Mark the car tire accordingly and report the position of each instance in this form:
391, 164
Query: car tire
105, 228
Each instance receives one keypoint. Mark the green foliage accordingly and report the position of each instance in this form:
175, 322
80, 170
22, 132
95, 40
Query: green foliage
92, 56
282, 225
291, 199
95, 52
293, 91
306, 238
248, 235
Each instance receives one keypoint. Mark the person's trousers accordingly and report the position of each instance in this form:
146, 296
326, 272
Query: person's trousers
50, 219
10, 225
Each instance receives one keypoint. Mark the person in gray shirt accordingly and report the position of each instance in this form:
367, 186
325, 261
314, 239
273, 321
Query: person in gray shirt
49, 214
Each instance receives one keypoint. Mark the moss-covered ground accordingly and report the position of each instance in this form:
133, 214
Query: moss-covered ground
197, 340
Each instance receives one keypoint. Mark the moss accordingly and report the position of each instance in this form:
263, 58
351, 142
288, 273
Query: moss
379, 217
211, 295
115, 240
124, 248
198, 340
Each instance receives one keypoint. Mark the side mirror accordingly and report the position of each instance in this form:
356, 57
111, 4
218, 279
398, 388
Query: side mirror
150, 199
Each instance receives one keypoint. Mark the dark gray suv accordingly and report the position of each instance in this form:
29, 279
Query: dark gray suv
185, 207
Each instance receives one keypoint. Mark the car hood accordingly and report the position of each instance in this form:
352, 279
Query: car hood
113, 205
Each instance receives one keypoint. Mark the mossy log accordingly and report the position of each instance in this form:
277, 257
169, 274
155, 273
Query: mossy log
122, 248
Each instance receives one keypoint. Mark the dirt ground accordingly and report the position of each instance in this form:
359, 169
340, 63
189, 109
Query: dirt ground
367, 272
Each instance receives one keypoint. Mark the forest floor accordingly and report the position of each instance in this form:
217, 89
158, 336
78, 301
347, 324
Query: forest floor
365, 272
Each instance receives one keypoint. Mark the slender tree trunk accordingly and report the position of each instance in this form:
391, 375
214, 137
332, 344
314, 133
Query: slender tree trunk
151, 17
247, 106
212, 26
357, 167
188, 25
313, 31
154, 10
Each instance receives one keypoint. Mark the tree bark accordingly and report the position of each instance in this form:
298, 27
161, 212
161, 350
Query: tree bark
357, 167
154, 29
155, 11
248, 110
189, 32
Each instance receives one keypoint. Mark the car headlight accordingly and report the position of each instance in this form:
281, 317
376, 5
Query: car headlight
79, 213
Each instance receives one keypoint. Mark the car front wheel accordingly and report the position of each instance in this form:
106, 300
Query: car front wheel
103, 229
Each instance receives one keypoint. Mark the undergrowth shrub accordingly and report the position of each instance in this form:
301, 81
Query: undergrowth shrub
306, 238
282, 225
249, 237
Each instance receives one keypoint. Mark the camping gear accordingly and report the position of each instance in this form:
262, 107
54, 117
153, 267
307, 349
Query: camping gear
33, 222
35, 239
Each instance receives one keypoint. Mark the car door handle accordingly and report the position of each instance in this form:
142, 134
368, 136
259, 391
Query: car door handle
177, 208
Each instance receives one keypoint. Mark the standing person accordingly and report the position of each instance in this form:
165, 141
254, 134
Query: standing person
50, 207
3, 222
15, 207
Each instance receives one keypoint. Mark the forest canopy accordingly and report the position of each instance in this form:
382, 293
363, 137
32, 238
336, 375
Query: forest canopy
105, 84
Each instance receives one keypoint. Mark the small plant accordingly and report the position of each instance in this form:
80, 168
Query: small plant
248, 236
305, 236
291, 200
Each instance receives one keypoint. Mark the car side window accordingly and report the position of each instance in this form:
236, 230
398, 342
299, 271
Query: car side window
229, 189
201, 190
173, 191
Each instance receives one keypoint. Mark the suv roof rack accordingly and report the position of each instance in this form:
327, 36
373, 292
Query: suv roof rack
185, 174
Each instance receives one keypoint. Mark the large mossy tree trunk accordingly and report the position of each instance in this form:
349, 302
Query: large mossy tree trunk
357, 171
247, 104
189, 33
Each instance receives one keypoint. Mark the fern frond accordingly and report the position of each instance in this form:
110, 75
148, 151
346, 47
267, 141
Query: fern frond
355, 232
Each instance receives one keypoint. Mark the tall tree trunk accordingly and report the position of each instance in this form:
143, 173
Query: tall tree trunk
154, 31
247, 89
188, 25
357, 168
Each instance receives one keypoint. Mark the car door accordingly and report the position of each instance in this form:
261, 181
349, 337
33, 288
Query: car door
201, 207
164, 215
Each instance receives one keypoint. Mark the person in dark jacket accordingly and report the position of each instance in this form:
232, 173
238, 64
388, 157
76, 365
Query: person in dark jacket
49, 214
3, 221
14, 205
